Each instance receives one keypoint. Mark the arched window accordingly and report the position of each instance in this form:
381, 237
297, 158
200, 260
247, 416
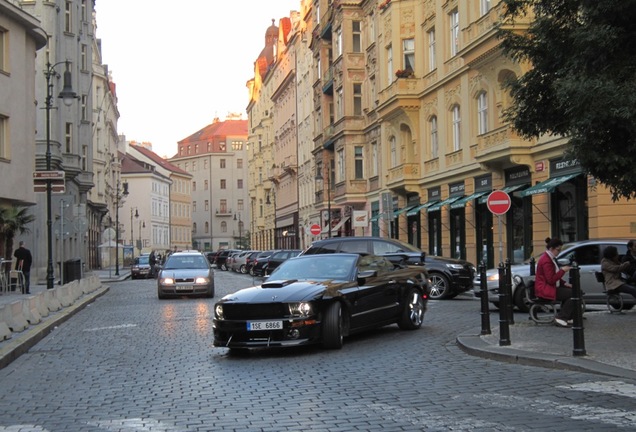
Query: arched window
223, 227
393, 149
434, 138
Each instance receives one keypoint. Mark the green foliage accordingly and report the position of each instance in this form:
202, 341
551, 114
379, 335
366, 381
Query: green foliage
13, 220
582, 84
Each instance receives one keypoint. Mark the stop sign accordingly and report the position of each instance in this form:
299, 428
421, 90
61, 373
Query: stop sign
315, 229
498, 202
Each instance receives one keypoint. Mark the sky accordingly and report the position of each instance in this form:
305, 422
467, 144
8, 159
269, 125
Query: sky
176, 68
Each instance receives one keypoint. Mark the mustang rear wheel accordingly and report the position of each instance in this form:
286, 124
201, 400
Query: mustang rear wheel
413, 313
332, 335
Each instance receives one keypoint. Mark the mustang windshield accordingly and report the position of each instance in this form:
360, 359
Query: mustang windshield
316, 267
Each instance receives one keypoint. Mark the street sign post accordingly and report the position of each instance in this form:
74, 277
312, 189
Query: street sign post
499, 203
41, 178
315, 229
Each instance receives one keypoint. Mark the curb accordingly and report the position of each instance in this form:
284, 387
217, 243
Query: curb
22, 342
473, 344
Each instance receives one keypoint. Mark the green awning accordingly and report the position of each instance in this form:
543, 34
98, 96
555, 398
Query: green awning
507, 189
375, 218
548, 185
441, 204
460, 203
402, 210
416, 210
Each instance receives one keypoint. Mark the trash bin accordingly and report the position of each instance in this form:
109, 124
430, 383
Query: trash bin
72, 270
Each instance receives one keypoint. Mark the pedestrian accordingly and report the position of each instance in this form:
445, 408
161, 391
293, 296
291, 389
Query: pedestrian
630, 257
612, 269
549, 283
23, 262
152, 260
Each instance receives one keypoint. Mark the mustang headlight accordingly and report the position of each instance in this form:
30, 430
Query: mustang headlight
168, 281
201, 280
302, 309
218, 312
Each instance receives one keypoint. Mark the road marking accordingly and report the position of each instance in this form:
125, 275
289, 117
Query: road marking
134, 425
618, 388
111, 327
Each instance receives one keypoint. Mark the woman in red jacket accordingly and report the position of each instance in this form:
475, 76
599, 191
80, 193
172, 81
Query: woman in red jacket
549, 283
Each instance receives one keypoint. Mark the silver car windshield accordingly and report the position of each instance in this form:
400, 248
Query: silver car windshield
186, 262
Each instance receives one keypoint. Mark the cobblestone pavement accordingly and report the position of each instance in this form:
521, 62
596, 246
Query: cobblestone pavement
129, 362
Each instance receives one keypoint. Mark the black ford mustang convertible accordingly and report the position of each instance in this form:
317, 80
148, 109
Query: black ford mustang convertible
321, 299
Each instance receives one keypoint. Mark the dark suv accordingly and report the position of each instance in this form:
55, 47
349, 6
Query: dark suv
221, 258
264, 267
449, 277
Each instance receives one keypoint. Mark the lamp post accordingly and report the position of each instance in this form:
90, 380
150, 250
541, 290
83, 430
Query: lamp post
67, 95
132, 236
268, 202
319, 177
142, 224
118, 196
240, 226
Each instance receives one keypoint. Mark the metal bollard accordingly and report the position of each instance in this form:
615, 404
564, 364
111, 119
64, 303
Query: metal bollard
511, 315
577, 318
533, 266
485, 313
504, 328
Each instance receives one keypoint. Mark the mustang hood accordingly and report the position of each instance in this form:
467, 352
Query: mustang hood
280, 291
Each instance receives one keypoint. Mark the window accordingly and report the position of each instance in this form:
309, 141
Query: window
194, 227
4, 144
341, 165
194, 186
194, 165
374, 159
207, 227
408, 48
84, 158
223, 183
339, 42
339, 103
357, 99
237, 145
484, 6
240, 206
223, 206
205, 185
194, 206
356, 30
84, 57
239, 163
434, 138
432, 64
222, 163
68, 17
84, 10
207, 205
454, 33
389, 65
222, 146
456, 128
84, 107
239, 183
359, 162
223, 227
393, 149
68, 138
3, 49
482, 112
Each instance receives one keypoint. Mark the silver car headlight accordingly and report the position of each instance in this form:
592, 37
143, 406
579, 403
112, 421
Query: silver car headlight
493, 277
167, 281
302, 309
201, 280
218, 312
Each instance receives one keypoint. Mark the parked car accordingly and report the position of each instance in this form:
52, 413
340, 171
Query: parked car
186, 273
261, 267
221, 259
321, 299
140, 268
211, 256
277, 258
586, 253
238, 262
259, 261
449, 276
249, 261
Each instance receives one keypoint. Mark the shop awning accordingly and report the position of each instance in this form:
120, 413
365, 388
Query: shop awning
416, 210
441, 204
376, 218
461, 203
507, 189
548, 185
335, 229
402, 210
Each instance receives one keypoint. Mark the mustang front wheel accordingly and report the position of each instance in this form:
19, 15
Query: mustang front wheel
413, 313
332, 336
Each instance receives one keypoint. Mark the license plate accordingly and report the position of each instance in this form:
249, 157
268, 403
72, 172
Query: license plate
184, 287
264, 325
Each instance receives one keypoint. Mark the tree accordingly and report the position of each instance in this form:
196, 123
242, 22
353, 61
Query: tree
13, 220
582, 84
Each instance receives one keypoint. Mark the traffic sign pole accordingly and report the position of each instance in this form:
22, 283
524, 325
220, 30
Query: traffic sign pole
499, 203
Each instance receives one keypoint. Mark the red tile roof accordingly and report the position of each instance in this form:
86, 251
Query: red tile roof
218, 129
159, 160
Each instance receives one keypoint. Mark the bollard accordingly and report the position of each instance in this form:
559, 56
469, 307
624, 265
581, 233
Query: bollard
485, 313
577, 318
533, 266
510, 309
504, 329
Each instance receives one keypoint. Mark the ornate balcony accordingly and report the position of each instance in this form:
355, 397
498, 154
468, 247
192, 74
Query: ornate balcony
502, 145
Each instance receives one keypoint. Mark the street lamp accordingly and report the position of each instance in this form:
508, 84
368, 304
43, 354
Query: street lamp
67, 95
142, 224
132, 236
275, 237
240, 225
319, 177
118, 196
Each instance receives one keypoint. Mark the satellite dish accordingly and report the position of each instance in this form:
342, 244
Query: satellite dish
108, 234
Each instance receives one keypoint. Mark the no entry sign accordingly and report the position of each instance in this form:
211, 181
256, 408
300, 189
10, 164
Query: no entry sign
498, 202
315, 229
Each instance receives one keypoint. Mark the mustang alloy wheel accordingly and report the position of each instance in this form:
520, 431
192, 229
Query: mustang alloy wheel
413, 313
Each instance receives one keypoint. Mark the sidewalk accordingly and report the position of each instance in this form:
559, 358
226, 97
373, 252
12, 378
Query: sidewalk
609, 343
